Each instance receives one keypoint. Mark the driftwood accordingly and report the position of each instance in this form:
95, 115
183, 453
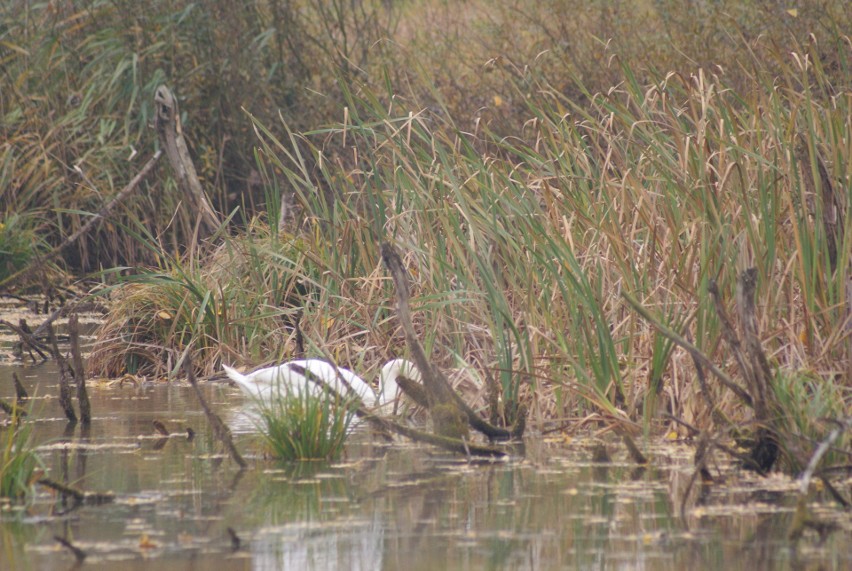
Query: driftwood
171, 136
754, 367
442, 399
103, 213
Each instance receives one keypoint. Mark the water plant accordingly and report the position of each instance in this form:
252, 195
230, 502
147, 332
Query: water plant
305, 424
19, 464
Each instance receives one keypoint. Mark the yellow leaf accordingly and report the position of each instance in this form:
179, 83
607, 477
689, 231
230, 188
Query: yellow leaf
672, 435
793, 12
498, 101
146, 543
164, 315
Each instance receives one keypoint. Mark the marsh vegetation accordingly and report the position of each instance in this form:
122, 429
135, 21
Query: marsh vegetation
623, 217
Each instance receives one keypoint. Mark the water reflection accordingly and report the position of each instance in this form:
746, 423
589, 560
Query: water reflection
381, 507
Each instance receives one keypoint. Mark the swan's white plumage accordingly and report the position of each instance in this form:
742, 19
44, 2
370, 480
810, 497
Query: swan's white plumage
267, 383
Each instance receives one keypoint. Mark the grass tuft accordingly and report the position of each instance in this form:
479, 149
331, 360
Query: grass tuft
304, 424
19, 464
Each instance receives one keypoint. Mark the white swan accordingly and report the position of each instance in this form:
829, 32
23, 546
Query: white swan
267, 383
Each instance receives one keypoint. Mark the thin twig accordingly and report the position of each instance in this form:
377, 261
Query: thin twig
824, 446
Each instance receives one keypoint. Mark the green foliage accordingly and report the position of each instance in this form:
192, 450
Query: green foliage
519, 246
19, 244
18, 462
303, 425
809, 409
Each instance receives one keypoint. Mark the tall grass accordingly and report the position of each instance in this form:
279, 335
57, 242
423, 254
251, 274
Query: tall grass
239, 302
76, 103
520, 245
20, 244
528, 190
78, 80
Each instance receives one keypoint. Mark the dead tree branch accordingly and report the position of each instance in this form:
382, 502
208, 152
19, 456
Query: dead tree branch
438, 390
171, 136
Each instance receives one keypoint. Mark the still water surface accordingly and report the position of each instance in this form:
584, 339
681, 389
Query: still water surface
383, 506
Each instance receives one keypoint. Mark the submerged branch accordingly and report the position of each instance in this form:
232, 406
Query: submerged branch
79, 554
219, 428
79, 496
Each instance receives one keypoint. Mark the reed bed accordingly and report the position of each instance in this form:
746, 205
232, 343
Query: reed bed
530, 195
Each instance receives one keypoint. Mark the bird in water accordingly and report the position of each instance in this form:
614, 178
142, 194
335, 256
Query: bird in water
288, 377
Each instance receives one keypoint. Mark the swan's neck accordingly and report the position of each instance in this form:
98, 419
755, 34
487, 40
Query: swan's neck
388, 387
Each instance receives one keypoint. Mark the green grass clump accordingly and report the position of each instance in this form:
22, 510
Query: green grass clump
303, 425
809, 408
18, 462
19, 244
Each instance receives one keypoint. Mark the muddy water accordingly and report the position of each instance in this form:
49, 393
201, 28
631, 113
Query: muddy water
382, 506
